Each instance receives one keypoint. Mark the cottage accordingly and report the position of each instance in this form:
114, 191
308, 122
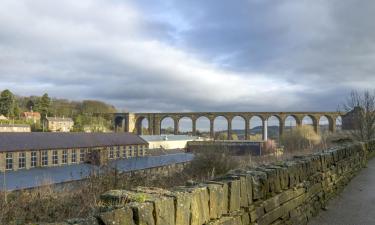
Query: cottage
2, 117
30, 150
31, 116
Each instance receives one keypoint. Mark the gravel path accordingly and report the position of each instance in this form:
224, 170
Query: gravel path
355, 205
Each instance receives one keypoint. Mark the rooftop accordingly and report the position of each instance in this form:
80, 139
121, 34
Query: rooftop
59, 119
31, 114
14, 125
40, 140
169, 137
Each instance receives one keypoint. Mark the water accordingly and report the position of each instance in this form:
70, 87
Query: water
23, 179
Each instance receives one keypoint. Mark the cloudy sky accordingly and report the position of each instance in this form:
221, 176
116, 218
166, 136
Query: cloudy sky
253, 55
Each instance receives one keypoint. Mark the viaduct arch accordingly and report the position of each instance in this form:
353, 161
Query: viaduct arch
132, 122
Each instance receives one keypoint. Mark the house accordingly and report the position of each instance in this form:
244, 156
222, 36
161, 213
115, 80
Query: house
59, 124
2, 117
46, 149
31, 116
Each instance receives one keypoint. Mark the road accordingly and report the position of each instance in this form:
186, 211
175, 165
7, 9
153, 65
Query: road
355, 205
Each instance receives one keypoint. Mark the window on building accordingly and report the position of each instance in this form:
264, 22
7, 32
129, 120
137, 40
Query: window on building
44, 158
74, 156
142, 150
123, 152
9, 161
33, 159
130, 151
82, 155
55, 157
21, 160
89, 153
111, 153
64, 159
118, 152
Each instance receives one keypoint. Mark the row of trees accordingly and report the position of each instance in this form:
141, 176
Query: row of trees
11, 106
95, 114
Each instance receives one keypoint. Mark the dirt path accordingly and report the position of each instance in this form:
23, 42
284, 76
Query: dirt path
355, 205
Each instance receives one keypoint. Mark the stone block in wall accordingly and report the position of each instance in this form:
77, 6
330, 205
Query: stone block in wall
246, 188
217, 196
292, 173
200, 213
282, 176
280, 199
245, 218
227, 220
276, 213
164, 210
164, 204
122, 216
224, 205
143, 213
273, 180
182, 205
234, 193
259, 184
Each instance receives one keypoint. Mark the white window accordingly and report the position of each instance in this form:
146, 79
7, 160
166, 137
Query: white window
123, 152
55, 157
82, 155
9, 161
21, 160
111, 152
118, 152
64, 157
74, 156
33, 159
141, 152
130, 151
44, 158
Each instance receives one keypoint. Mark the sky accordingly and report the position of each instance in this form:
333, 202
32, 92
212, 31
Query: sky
165, 55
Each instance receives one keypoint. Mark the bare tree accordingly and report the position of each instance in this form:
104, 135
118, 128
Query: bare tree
361, 108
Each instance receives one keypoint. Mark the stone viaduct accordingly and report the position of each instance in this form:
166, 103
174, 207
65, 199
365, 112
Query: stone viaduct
132, 122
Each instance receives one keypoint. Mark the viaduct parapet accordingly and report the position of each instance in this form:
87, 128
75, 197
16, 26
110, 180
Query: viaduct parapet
132, 122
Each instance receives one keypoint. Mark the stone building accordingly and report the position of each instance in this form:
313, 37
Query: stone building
14, 128
30, 150
59, 124
350, 120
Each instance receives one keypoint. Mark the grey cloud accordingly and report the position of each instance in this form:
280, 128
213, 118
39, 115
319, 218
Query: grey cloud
192, 55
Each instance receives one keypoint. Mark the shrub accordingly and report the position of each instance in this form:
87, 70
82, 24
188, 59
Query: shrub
300, 138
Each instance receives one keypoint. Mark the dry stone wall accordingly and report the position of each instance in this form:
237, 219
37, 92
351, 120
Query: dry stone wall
289, 192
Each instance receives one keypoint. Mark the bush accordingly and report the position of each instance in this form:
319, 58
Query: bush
210, 163
300, 138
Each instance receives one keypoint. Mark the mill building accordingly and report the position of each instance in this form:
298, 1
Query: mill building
29, 150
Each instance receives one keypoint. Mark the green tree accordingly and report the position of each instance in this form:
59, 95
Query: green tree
44, 104
16, 110
92, 106
30, 104
7, 103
